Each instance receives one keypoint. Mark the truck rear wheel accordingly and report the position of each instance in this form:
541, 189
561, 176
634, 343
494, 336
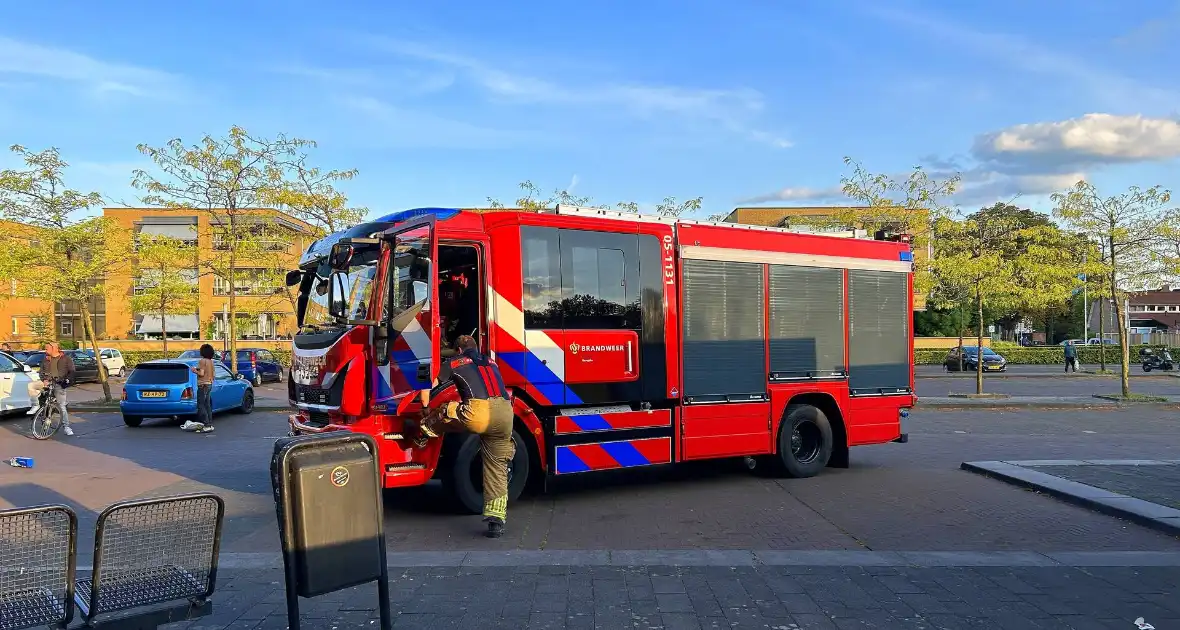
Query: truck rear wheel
805, 442
464, 478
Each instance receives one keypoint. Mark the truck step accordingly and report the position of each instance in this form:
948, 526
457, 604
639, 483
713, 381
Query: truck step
392, 468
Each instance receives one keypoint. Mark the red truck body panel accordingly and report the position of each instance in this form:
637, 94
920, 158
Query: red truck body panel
596, 323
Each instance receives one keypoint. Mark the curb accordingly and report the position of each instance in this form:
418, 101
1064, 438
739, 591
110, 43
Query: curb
736, 558
1017, 403
1152, 515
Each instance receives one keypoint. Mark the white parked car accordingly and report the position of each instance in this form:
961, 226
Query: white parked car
15, 378
112, 360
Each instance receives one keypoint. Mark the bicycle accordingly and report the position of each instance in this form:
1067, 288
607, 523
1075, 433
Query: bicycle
47, 421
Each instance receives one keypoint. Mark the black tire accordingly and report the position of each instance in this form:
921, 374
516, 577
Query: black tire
464, 473
45, 423
132, 421
257, 380
805, 442
1146, 368
247, 405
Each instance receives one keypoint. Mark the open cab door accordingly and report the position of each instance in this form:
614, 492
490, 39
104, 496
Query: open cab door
405, 342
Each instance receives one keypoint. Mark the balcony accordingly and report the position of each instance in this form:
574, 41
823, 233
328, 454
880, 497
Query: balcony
269, 245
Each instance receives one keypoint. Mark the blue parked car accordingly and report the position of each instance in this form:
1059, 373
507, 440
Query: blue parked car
168, 389
257, 365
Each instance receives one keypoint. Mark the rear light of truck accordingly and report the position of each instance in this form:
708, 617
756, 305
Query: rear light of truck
187, 394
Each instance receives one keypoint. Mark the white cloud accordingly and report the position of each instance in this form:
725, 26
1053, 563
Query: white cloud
573, 184
101, 77
731, 109
797, 194
1091, 138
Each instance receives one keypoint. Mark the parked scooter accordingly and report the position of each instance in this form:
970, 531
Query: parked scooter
1152, 360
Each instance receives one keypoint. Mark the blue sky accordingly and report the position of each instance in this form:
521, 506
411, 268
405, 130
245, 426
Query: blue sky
741, 102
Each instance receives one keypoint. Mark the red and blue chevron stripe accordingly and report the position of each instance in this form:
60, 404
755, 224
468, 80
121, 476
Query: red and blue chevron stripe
596, 456
613, 421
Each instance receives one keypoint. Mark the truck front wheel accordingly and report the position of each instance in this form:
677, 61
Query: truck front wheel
464, 473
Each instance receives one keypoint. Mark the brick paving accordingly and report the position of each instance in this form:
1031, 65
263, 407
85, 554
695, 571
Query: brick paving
1157, 483
691, 597
908, 497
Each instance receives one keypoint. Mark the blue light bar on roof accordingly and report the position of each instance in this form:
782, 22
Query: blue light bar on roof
906, 256
397, 217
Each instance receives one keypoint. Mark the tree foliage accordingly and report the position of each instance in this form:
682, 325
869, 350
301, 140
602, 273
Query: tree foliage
164, 285
228, 179
59, 254
1002, 264
1128, 228
533, 200
309, 193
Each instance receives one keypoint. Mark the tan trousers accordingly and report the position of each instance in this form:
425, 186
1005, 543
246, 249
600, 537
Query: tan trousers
491, 420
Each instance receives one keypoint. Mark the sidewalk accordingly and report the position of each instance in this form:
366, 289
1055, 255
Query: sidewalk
728, 589
1041, 402
1140, 490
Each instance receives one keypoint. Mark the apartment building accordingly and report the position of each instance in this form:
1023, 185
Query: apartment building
265, 308
803, 217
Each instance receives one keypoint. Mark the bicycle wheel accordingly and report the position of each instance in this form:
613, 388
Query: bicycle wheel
46, 422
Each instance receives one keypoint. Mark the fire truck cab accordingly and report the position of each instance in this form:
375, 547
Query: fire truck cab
627, 340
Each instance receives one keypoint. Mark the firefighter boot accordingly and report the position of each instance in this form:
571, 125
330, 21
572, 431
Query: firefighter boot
495, 527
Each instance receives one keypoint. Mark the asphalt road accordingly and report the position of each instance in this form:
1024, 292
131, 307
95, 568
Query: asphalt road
895, 497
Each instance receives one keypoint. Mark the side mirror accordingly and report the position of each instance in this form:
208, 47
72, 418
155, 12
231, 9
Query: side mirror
340, 257
238, 376
294, 277
27, 368
337, 297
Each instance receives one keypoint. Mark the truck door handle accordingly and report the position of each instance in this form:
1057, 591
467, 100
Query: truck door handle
630, 364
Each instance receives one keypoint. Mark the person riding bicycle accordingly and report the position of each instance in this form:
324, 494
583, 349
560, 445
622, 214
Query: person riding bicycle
57, 371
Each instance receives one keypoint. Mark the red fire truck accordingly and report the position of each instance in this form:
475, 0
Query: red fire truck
627, 340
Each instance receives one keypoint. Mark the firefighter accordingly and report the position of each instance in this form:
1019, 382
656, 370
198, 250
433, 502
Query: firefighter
485, 410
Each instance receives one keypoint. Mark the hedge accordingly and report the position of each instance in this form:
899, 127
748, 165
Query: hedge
135, 357
1037, 355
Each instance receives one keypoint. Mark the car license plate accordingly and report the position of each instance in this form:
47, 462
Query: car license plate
153, 394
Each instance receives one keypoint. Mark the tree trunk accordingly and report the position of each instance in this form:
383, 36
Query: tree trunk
961, 328
231, 325
164, 329
1124, 348
979, 342
88, 333
1101, 335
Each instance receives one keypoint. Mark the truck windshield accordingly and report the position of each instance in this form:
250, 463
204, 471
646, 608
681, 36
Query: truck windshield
358, 288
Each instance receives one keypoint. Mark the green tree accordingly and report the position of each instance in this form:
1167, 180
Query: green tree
912, 206
1129, 228
228, 179
308, 193
60, 254
41, 327
164, 285
1003, 264
533, 200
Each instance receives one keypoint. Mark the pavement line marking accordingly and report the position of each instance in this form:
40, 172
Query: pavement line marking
733, 558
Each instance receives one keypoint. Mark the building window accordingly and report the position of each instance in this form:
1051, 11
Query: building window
542, 280
67, 328
250, 282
